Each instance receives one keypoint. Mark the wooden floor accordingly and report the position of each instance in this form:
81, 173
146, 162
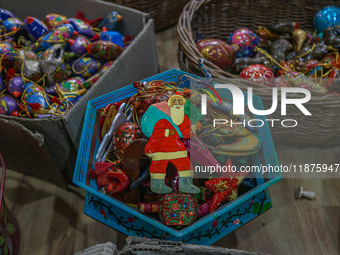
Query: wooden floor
52, 221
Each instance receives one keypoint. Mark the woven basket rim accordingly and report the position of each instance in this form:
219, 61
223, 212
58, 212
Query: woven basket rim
187, 44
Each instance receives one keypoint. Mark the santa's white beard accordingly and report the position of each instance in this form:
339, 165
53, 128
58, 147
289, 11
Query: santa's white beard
177, 114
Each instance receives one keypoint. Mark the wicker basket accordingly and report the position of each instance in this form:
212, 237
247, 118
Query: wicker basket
164, 12
218, 19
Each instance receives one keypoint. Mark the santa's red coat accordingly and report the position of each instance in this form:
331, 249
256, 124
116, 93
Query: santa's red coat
159, 142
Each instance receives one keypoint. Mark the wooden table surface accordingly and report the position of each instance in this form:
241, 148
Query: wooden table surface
52, 220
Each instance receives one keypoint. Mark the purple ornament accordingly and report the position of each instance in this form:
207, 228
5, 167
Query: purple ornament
4, 14
8, 106
16, 86
78, 45
82, 27
35, 27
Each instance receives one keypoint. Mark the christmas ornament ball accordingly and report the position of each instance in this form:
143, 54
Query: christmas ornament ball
244, 42
217, 52
326, 17
258, 73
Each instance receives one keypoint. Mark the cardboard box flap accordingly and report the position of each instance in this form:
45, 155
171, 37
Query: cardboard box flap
31, 157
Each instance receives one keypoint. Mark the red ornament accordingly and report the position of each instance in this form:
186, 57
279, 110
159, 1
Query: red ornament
217, 52
110, 178
178, 209
125, 135
224, 188
258, 73
104, 50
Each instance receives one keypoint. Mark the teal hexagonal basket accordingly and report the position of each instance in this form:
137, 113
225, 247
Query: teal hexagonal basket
130, 221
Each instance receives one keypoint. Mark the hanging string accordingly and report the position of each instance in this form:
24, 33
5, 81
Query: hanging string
265, 53
307, 52
85, 69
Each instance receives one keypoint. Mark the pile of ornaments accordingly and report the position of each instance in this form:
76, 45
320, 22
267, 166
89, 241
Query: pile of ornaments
283, 54
46, 66
130, 133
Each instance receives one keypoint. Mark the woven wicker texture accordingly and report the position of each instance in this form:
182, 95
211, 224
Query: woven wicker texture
164, 12
218, 19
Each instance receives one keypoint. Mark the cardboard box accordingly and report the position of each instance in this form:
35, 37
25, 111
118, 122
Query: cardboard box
54, 140
130, 221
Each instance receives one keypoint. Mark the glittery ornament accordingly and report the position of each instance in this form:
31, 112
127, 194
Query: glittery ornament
331, 36
53, 66
31, 68
244, 41
280, 48
225, 189
258, 73
326, 17
299, 37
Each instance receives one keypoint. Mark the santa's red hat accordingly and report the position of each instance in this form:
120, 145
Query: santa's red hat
176, 95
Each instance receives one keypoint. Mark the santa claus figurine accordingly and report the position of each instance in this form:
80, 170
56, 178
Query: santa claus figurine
165, 123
